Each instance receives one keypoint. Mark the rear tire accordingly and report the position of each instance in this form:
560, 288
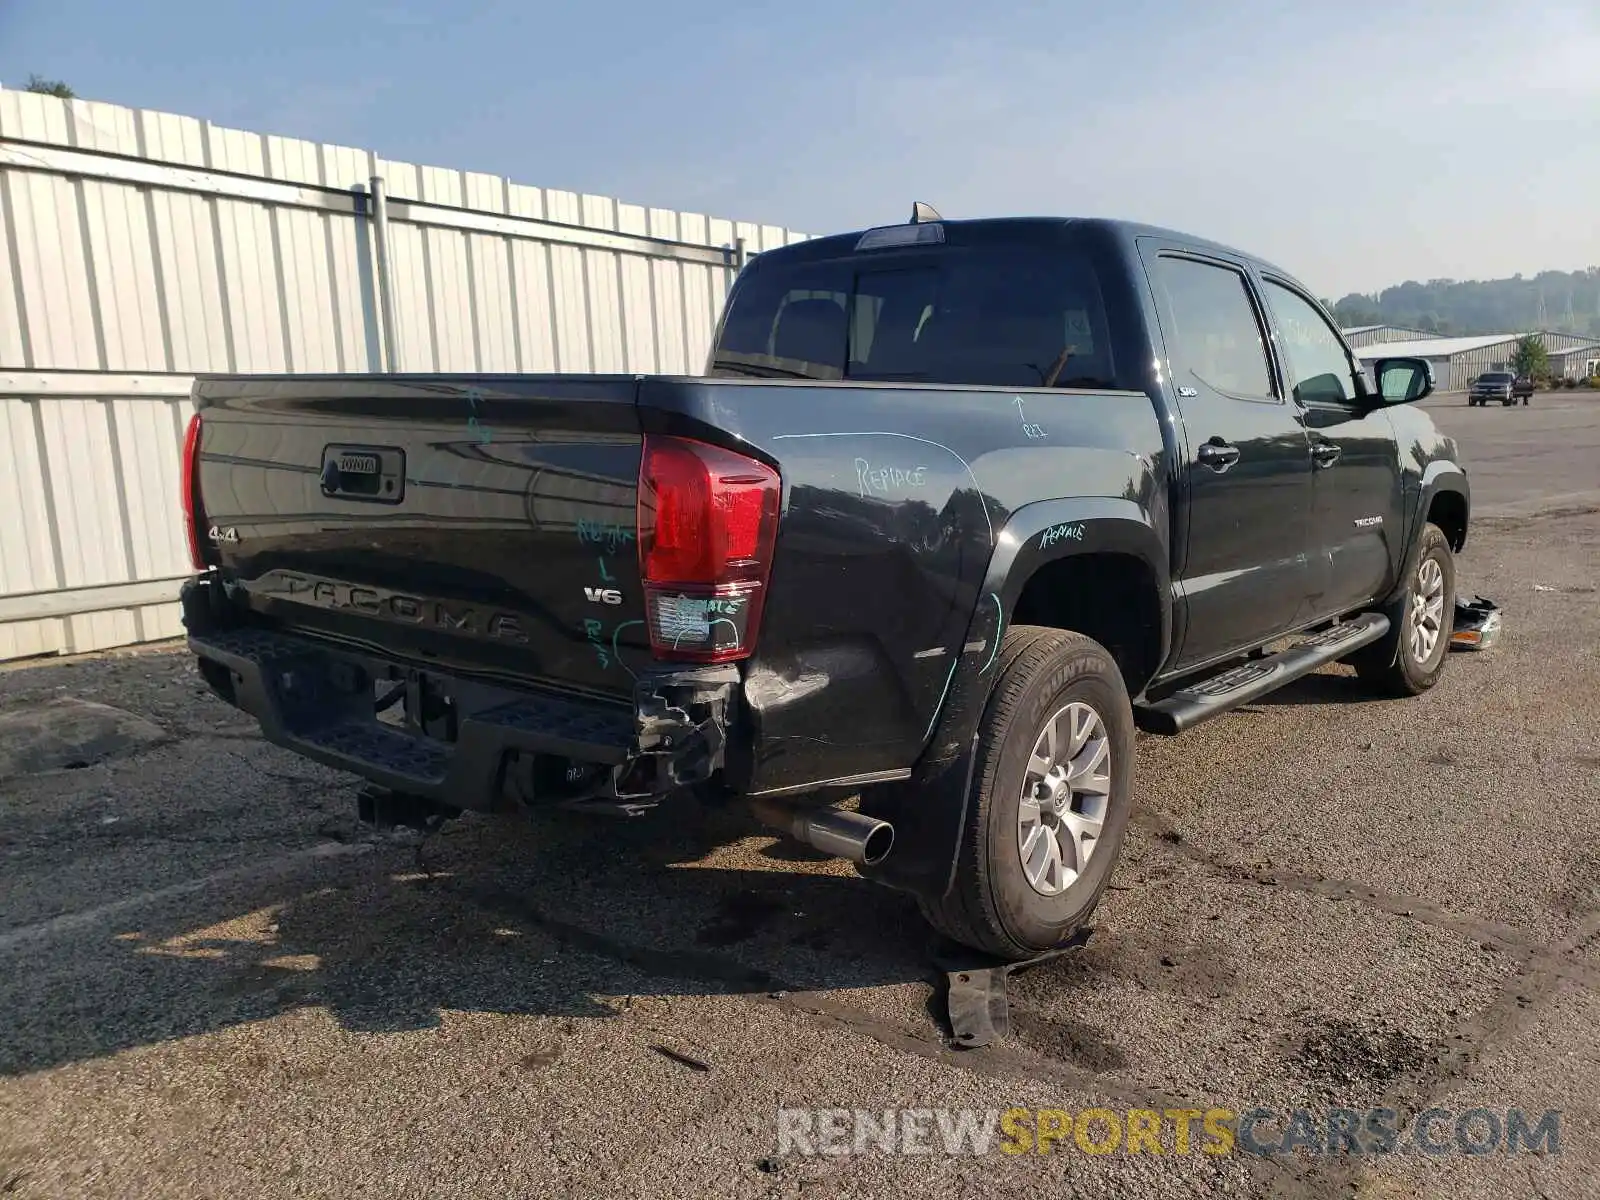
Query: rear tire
1409, 659
1038, 844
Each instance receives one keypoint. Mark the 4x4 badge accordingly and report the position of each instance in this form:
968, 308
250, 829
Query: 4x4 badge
230, 535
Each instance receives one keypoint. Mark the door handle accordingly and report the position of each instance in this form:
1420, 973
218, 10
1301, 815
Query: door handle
1325, 454
1218, 455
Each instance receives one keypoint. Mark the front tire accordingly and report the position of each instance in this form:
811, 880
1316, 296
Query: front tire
1411, 657
1052, 792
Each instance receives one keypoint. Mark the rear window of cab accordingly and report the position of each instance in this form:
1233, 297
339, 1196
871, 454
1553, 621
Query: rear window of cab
983, 316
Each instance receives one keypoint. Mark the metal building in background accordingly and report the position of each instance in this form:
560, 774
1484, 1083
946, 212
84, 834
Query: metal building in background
1560, 343
138, 248
1457, 361
1369, 335
1576, 362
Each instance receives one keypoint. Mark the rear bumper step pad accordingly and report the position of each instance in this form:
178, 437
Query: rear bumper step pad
318, 702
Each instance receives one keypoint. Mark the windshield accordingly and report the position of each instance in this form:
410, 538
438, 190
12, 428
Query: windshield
1495, 377
998, 317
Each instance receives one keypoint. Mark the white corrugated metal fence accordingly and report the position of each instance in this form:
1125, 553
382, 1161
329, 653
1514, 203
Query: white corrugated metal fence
139, 247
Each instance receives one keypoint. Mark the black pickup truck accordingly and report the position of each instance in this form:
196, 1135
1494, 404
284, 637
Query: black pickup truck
1502, 386
957, 506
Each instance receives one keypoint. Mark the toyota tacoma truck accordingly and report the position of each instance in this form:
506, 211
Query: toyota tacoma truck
954, 509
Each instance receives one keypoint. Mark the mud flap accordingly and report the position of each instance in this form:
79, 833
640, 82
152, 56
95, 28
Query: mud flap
929, 811
976, 999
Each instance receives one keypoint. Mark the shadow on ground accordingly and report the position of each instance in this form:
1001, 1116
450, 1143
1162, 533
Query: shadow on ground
561, 917
1321, 687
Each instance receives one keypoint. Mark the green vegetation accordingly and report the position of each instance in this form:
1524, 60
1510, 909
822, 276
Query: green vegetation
50, 87
1560, 301
1530, 357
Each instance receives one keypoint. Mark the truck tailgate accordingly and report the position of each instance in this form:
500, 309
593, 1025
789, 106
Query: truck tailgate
483, 523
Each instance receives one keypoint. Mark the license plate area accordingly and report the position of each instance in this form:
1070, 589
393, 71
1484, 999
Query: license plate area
375, 474
414, 700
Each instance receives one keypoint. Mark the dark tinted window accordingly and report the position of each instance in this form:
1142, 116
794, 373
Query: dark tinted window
1495, 377
977, 317
1214, 335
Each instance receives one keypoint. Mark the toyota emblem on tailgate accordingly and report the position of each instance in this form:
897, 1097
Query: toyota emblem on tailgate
367, 474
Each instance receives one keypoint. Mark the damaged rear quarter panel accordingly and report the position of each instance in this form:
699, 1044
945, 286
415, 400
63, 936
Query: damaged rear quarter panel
889, 526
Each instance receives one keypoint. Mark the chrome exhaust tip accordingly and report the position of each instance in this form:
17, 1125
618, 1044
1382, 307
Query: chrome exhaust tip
863, 840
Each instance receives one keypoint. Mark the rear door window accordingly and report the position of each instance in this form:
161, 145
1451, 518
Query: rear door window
969, 317
1213, 333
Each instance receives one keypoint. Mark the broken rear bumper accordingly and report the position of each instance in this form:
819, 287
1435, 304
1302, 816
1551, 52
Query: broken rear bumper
317, 699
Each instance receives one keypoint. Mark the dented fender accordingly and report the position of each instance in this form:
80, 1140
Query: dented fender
930, 810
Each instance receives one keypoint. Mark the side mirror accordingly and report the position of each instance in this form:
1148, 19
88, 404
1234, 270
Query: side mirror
1403, 380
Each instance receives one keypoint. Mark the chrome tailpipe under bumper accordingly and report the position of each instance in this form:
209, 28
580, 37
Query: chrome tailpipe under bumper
834, 831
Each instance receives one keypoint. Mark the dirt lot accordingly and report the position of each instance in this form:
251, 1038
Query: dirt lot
215, 985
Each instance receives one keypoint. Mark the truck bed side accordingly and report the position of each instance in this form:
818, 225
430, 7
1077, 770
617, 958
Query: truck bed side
895, 500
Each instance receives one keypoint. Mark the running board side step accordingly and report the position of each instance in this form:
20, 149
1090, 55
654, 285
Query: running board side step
1207, 698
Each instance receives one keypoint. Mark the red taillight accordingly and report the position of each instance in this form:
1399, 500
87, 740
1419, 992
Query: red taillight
194, 517
708, 521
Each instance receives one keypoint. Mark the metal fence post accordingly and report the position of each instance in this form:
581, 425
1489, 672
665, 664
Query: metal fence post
380, 241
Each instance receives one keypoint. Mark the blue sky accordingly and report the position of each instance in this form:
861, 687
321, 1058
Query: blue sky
1357, 144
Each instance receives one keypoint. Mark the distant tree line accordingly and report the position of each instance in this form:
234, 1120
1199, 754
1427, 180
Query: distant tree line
1560, 301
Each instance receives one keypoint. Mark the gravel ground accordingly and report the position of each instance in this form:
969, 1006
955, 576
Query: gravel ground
217, 985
